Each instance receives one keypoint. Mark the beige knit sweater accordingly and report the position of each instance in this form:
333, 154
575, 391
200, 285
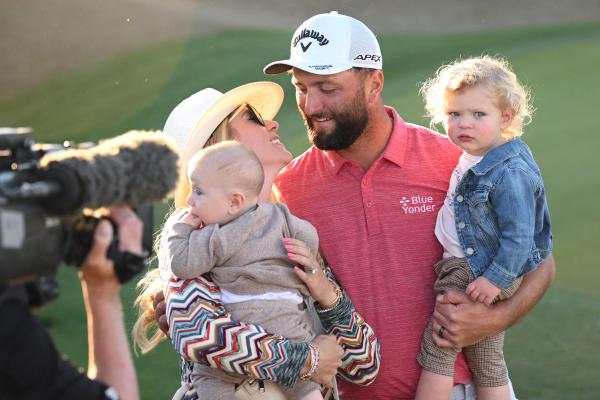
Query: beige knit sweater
244, 256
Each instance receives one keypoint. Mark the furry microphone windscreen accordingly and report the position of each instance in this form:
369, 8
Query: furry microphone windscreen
136, 168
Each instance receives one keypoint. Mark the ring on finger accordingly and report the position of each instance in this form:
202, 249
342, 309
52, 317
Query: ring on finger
441, 331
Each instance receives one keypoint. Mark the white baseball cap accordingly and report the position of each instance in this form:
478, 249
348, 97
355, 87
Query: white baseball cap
330, 43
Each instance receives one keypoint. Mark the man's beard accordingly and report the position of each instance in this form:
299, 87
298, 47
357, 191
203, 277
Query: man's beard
350, 123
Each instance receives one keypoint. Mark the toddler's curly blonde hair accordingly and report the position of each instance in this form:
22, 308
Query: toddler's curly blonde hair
492, 72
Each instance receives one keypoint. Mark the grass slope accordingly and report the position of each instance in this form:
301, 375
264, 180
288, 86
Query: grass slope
553, 353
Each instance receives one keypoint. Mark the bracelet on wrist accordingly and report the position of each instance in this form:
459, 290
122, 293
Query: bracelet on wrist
338, 297
315, 356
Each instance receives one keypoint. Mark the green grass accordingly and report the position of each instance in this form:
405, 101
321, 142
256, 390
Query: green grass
553, 353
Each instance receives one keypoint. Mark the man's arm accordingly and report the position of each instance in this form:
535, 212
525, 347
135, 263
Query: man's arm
467, 322
109, 357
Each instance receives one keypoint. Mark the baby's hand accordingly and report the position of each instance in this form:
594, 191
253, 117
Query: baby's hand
483, 291
192, 220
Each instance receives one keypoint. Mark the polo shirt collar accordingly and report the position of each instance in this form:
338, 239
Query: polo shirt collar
394, 151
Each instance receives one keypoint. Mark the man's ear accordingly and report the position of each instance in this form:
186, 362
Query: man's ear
236, 202
374, 86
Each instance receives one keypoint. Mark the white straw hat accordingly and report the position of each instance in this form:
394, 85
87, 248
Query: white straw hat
192, 121
330, 43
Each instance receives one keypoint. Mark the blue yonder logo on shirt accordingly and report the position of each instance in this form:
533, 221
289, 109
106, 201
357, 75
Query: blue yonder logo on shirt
417, 204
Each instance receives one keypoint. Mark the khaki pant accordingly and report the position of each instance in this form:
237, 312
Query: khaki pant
485, 358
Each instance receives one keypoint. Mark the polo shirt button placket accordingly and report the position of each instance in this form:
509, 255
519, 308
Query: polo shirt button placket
372, 219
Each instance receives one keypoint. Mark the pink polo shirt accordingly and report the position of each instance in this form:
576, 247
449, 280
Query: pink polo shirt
376, 229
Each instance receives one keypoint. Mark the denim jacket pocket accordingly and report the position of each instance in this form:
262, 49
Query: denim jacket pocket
479, 205
485, 226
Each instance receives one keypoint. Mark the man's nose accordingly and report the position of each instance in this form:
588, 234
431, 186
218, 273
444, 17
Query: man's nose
313, 103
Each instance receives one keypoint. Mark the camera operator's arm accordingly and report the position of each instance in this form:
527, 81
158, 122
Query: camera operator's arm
110, 359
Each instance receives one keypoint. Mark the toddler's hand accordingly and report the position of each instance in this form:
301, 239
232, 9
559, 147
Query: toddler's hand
483, 291
192, 220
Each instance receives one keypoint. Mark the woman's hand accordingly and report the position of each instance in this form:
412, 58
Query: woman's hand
160, 311
330, 359
321, 288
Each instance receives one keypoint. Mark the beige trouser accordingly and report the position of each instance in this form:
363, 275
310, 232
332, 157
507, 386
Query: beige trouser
485, 358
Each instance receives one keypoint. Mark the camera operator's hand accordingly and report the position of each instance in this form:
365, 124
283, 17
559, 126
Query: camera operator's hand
109, 356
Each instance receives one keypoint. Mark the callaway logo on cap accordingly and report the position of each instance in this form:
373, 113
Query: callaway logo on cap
328, 44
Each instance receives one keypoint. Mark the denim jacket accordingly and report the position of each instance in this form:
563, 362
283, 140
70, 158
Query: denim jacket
502, 216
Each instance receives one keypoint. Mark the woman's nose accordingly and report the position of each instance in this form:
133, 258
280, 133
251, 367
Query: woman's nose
272, 125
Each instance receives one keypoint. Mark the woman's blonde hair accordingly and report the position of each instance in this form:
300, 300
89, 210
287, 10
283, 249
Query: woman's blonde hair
145, 333
495, 74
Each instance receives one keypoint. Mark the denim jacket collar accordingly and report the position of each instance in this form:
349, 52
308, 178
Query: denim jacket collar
498, 155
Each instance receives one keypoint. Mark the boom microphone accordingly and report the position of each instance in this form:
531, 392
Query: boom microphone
136, 168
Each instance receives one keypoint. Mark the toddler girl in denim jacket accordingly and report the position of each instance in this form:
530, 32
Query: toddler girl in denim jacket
494, 225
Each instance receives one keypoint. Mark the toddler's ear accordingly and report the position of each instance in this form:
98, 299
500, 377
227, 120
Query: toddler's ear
507, 117
236, 202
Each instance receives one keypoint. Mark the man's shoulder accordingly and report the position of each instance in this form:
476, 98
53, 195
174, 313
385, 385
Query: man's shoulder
309, 156
429, 136
428, 147
419, 132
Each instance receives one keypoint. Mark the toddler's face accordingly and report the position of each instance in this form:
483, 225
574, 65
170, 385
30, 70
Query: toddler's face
209, 198
473, 121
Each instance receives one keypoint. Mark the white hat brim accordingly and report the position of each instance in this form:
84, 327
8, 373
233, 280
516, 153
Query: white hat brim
278, 67
265, 97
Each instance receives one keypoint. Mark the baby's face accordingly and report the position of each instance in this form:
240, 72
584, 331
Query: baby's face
209, 197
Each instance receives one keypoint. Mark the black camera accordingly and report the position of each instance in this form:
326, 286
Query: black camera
45, 190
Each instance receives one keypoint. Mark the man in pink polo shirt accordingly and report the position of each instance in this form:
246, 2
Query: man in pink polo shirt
372, 185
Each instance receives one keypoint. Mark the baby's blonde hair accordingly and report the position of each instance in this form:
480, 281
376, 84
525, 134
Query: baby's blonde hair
492, 72
238, 166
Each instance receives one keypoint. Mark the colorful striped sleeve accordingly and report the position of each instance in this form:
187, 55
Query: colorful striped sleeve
361, 359
202, 331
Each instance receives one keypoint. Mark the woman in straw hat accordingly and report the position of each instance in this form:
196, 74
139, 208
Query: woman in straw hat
199, 326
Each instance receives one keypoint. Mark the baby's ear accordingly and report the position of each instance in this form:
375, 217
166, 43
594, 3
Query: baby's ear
236, 202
